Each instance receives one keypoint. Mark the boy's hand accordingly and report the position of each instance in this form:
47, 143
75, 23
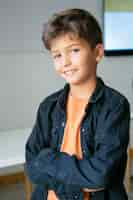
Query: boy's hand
52, 195
92, 190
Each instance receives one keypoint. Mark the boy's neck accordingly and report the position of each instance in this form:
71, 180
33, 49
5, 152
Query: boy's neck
85, 90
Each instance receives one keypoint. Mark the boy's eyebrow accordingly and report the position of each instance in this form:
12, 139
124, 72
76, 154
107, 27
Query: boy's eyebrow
67, 47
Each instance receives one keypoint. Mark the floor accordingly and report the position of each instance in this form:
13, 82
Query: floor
16, 192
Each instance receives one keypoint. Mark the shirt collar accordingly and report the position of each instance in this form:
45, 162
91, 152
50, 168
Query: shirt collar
96, 95
98, 92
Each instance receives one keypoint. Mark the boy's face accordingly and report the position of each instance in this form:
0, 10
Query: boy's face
74, 59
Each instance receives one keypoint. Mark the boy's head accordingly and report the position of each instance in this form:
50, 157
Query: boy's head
74, 39
76, 21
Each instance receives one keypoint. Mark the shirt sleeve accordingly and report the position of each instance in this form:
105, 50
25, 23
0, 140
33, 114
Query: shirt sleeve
37, 151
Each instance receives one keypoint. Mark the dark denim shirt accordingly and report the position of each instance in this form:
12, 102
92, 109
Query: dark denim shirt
104, 135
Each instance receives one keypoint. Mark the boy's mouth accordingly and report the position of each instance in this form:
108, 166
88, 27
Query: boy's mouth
70, 72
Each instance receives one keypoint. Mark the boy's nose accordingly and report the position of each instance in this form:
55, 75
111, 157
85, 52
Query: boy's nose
66, 61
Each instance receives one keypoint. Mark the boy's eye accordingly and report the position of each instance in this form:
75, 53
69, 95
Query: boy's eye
56, 56
75, 50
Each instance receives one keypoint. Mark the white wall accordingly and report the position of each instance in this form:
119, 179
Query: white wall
26, 77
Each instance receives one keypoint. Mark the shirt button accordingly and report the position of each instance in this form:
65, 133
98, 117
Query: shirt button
83, 130
83, 150
63, 124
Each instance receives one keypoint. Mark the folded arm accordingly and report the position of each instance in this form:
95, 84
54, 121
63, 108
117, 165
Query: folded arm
91, 173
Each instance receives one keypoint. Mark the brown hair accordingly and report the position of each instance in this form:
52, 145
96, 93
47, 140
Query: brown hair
76, 21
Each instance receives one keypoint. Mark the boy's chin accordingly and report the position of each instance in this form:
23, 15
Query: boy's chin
73, 82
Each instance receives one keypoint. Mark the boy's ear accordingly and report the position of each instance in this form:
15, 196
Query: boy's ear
99, 50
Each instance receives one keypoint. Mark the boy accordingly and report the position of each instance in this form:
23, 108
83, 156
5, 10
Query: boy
79, 142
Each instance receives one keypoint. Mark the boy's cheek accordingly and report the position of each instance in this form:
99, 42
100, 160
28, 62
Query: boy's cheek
57, 64
57, 68
75, 59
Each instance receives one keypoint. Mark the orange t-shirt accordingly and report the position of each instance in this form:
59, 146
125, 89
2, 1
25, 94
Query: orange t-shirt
71, 139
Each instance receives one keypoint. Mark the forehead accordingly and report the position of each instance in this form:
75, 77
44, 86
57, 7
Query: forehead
66, 41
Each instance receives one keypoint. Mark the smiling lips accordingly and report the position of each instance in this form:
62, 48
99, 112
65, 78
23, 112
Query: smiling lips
70, 72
